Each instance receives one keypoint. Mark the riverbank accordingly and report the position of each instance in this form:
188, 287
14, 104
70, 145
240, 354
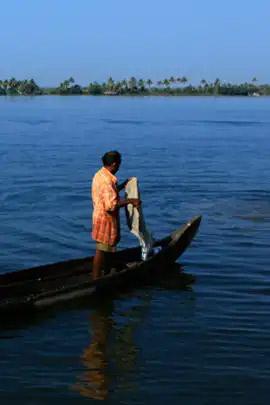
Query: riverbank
134, 87
44, 93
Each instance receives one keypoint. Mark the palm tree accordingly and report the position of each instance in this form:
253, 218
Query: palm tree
2, 89
141, 85
117, 87
64, 87
132, 84
149, 83
166, 82
5, 84
66, 84
124, 85
110, 83
13, 83
254, 80
216, 85
184, 80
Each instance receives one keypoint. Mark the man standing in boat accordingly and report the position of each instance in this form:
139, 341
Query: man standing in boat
106, 205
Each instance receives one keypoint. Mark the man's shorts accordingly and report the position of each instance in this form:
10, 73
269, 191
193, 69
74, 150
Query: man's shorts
105, 248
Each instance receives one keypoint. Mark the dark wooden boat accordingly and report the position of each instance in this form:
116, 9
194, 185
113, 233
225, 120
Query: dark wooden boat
43, 286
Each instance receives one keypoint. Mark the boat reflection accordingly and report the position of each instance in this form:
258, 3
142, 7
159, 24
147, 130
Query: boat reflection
112, 350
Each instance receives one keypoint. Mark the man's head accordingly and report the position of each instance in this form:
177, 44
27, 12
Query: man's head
112, 161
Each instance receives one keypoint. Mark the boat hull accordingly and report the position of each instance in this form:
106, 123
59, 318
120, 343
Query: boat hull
44, 286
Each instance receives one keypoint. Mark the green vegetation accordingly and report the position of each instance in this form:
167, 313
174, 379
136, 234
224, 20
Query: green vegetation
19, 87
173, 86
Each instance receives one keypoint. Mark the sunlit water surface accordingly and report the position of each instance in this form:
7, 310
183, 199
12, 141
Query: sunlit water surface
205, 345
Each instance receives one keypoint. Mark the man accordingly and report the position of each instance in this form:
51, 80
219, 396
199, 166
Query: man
106, 205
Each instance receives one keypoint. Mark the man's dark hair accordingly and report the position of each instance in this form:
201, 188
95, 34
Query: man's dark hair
111, 157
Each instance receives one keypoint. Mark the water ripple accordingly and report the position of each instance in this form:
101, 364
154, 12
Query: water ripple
205, 344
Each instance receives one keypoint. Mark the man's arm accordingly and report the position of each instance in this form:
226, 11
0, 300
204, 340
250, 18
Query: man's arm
124, 202
112, 201
121, 186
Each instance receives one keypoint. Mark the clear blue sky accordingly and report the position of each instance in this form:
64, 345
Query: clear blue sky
51, 40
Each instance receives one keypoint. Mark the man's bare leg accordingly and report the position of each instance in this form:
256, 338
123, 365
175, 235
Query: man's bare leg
98, 264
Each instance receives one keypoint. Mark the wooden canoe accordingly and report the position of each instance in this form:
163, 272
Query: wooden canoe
42, 286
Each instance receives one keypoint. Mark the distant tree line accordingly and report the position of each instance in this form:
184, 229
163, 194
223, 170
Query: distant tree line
19, 87
174, 86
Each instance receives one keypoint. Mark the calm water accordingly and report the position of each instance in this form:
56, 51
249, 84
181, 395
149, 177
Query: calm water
205, 345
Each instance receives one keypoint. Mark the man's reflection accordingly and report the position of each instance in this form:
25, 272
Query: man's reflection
112, 350
94, 382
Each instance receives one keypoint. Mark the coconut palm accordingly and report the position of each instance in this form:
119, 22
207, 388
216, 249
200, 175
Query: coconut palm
6, 84
149, 83
132, 84
166, 82
124, 85
110, 84
184, 80
13, 83
216, 85
141, 83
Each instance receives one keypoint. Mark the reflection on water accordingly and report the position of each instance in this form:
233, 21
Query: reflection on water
192, 155
94, 381
112, 350
174, 278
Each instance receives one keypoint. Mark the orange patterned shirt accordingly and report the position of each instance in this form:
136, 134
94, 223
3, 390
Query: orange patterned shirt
105, 197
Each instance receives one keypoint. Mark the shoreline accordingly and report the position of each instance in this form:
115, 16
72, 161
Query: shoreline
175, 87
135, 95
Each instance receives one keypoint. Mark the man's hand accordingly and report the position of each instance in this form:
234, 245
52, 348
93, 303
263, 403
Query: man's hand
135, 202
126, 181
123, 185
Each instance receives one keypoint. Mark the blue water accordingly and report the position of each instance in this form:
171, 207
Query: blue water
205, 345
